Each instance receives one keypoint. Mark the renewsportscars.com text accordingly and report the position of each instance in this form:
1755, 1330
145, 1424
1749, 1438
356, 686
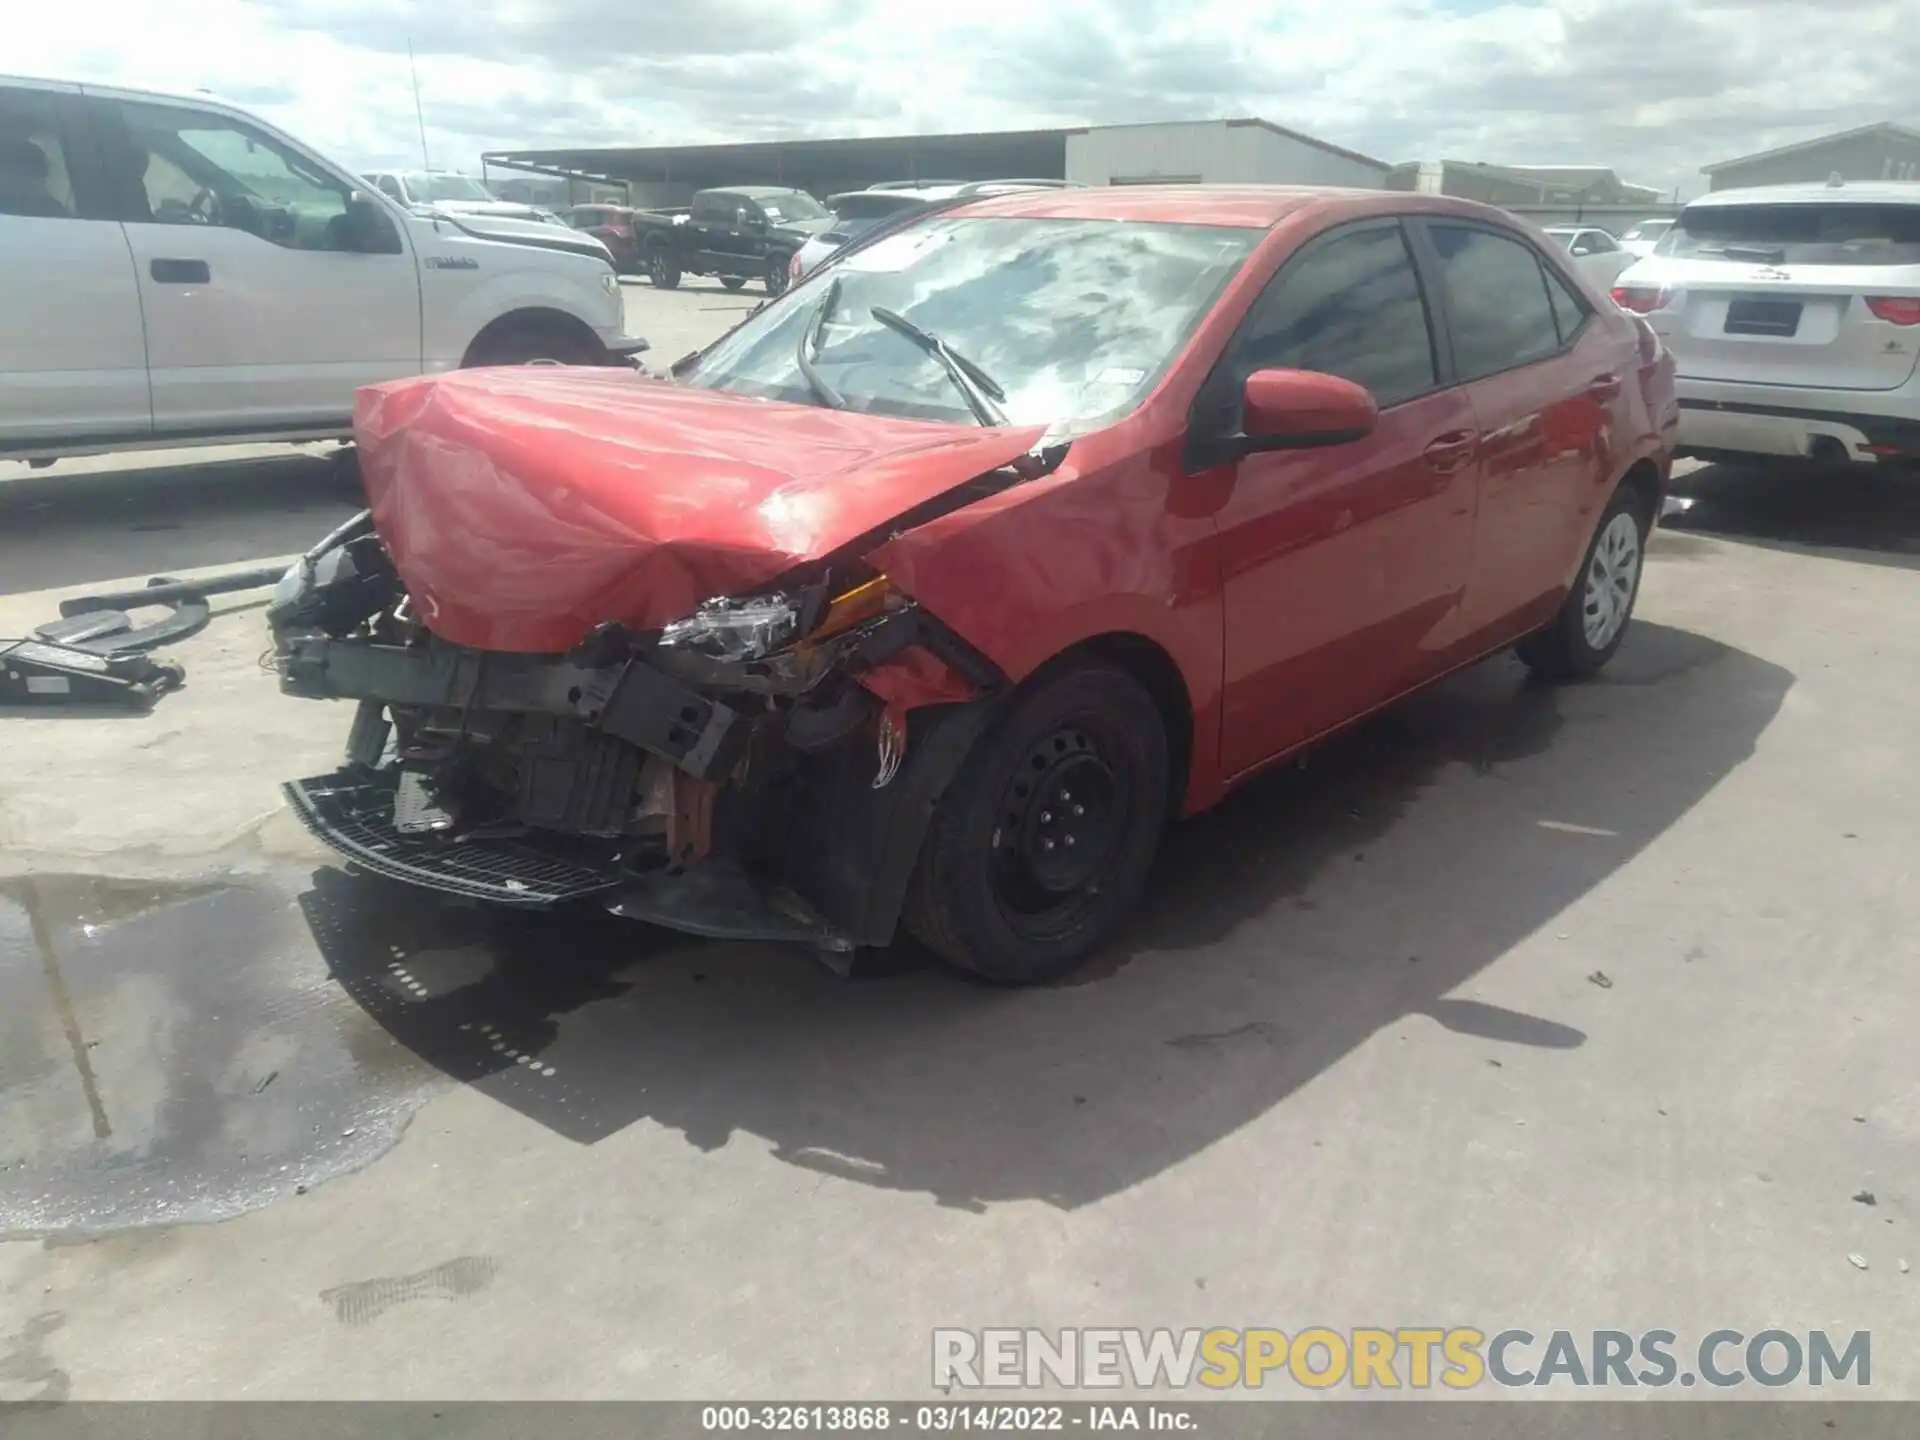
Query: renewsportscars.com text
1416, 1358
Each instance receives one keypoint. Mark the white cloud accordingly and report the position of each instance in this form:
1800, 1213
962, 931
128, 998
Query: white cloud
1655, 88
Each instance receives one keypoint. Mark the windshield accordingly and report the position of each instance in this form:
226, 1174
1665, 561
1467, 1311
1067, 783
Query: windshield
793, 206
1804, 234
447, 187
1074, 319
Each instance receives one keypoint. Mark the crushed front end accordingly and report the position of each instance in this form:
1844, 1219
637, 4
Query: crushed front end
762, 769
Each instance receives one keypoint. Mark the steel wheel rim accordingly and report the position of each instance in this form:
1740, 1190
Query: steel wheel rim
776, 277
656, 266
1613, 574
1059, 830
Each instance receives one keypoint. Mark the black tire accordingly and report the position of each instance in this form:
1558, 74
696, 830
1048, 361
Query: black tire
733, 282
532, 343
777, 277
996, 892
1565, 649
662, 269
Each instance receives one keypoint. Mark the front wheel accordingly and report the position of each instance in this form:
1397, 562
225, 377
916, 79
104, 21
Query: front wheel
662, 269
1042, 843
1593, 621
533, 344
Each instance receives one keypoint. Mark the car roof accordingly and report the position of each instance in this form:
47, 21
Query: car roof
1865, 192
1247, 206
758, 192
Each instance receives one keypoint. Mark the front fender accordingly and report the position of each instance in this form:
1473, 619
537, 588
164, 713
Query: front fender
458, 303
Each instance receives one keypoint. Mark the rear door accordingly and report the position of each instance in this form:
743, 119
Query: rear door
1815, 294
1546, 380
73, 362
259, 313
712, 218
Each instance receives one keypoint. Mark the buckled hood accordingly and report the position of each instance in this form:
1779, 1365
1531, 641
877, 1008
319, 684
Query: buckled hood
522, 506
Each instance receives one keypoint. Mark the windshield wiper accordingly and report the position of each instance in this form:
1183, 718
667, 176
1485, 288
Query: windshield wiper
980, 388
810, 345
1765, 254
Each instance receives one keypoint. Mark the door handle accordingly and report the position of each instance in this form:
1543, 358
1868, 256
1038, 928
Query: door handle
181, 272
1604, 387
1451, 451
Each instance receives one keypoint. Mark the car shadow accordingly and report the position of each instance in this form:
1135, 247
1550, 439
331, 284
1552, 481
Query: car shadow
63, 527
1359, 890
1869, 510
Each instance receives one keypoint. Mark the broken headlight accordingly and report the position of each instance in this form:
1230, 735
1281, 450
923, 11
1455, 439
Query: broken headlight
736, 629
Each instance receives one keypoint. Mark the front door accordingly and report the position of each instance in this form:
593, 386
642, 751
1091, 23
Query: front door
73, 361
1342, 568
260, 315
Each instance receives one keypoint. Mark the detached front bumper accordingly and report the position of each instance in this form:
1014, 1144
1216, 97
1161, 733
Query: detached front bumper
626, 350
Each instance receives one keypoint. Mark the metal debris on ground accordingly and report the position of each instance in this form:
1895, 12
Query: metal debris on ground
1600, 978
1859, 1262
1865, 1197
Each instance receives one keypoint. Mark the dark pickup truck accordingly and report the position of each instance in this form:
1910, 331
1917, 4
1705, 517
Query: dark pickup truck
749, 232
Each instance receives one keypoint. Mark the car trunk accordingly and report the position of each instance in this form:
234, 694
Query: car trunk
1803, 325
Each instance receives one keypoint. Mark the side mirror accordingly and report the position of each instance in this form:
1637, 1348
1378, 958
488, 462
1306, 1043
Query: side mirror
370, 230
1303, 410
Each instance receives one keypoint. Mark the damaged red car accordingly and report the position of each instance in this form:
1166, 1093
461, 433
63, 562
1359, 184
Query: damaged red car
935, 590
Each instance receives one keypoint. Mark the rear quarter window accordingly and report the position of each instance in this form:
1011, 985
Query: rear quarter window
1802, 234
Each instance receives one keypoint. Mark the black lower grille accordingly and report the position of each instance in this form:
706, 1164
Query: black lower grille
353, 813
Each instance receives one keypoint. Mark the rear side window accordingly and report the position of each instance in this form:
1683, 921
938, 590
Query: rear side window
1497, 300
34, 179
1569, 310
1807, 234
1350, 307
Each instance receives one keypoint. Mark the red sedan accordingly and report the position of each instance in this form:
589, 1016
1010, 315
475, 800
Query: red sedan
938, 587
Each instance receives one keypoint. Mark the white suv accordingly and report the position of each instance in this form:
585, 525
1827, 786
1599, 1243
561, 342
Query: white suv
1793, 313
176, 271
427, 190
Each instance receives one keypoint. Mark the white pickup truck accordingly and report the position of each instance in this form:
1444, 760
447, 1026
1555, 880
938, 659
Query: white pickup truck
175, 271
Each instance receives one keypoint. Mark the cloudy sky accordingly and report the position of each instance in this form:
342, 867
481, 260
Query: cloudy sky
1655, 88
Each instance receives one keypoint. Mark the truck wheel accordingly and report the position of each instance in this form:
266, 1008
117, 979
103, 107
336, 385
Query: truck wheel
1043, 841
1593, 621
777, 277
733, 282
662, 269
525, 344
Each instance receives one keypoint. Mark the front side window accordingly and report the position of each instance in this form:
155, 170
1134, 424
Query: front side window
1073, 320
34, 180
192, 167
714, 207
1497, 299
1814, 233
1350, 307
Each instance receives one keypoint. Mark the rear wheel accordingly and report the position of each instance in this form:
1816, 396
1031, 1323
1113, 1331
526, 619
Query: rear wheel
777, 274
1043, 841
662, 269
1593, 621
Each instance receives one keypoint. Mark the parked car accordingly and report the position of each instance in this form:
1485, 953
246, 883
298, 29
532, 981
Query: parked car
1599, 256
174, 270
425, 191
1793, 313
612, 226
857, 211
749, 232
1639, 239
940, 584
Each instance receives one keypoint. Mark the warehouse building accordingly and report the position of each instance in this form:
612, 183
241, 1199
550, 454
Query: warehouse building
1185, 152
1873, 152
